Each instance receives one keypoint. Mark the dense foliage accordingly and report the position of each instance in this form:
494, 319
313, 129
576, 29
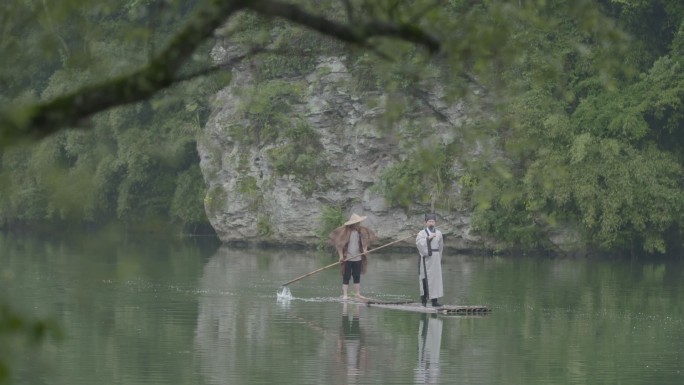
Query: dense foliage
573, 118
598, 148
580, 135
574, 122
135, 165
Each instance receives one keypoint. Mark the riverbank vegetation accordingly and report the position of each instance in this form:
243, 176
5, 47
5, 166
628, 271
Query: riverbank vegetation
575, 113
574, 110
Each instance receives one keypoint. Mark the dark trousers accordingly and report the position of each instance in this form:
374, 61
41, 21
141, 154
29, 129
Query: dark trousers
352, 269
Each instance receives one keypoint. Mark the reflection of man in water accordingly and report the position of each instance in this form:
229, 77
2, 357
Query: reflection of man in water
429, 344
351, 344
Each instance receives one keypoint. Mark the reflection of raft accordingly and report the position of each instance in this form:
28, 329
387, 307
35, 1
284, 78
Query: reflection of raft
417, 307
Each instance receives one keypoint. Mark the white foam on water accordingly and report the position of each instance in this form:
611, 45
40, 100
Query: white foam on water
284, 294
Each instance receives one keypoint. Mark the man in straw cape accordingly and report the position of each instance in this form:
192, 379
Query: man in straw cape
352, 241
430, 244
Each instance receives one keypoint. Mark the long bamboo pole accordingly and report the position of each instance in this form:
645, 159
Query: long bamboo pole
349, 257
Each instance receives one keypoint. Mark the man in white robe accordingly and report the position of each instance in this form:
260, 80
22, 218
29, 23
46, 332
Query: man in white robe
430, 244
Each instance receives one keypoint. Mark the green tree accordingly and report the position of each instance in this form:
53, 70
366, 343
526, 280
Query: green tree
597, 149
541, 78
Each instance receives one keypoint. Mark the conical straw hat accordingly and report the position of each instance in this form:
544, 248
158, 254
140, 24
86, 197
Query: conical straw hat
354, 219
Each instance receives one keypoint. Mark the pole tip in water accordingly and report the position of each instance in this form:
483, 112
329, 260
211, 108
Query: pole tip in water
284, 293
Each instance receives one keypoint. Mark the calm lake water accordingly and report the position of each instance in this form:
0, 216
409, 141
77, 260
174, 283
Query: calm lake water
192, 312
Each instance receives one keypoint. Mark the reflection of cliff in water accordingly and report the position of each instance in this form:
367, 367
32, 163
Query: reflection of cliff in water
392, 274
235, 326
245, 335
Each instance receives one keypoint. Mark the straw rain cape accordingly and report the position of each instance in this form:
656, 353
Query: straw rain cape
339, 238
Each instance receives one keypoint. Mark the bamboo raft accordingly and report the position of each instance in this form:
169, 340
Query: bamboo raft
419, 308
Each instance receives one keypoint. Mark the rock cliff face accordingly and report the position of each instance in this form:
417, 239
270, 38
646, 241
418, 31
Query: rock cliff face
256, 194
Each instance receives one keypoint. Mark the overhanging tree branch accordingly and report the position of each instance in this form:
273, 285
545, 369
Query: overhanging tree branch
43, 119
358, 34
69, 110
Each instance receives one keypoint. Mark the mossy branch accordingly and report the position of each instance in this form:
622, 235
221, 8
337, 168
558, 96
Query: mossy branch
72, 109
359, 33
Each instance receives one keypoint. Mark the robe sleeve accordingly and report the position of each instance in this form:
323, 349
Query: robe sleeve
441, 243
421, 243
